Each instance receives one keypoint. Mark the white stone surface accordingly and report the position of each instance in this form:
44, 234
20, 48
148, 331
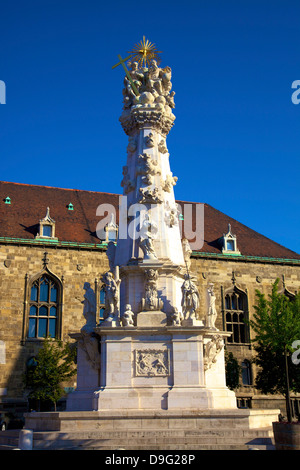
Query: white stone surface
88, 380
171, 375
26, 439
150, 364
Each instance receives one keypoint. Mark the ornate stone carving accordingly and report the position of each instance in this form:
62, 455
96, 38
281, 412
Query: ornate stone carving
152, 363
149, 140
152, 82
111, 287
90, 345
129, 96
147, 234
127, 183
139, 119
169, 182
151, 300
170, 100
211, 350
176, 317
132, 145
147, 168
190, 298
187, 251
171, 214
211, 307
128, 316
162, 147
150, 196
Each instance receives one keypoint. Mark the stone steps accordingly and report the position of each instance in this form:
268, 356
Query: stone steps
156, 439
151, 429
9, 439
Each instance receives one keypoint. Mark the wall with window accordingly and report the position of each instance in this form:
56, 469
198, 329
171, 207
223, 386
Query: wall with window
235, 282
44, 306
43, 293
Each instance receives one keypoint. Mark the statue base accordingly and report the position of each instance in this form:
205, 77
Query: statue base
150, 318
192, 322
111, 322
154, 367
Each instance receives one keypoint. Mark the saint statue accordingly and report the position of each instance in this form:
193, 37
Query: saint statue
190, 298
111, 288
211, 311
148, 231
186, 252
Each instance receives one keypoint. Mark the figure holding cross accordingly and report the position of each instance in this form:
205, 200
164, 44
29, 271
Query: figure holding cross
128, 75
143, 52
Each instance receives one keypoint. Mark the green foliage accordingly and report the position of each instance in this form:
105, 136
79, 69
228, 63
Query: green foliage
233, 371
276, 324
271, 375
54, 365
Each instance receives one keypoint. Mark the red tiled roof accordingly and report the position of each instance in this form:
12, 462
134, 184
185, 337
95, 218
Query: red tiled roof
29, 203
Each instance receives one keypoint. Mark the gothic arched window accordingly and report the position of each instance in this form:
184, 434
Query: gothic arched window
235, 316
44, 307
246, 372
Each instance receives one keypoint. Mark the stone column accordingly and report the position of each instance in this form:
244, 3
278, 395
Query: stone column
149, 234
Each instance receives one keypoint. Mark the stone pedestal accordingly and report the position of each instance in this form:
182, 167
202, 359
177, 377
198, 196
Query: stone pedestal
155, 367
88, 372
151, 319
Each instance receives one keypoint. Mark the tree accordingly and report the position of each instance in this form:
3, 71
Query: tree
54, 364
276, 323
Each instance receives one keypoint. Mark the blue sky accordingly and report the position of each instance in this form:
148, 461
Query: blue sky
235, 143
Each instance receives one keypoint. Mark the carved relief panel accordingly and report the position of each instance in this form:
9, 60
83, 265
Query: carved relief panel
151, 363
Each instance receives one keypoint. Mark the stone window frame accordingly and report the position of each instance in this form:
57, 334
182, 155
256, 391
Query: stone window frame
111, 227
29, 282
47, 221
247, 374
239, 328
244, 402
229, 237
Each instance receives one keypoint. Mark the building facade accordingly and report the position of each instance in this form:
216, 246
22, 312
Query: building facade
53, 241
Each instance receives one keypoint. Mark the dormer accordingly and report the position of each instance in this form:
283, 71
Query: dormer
111, 230
47, 227
229, 242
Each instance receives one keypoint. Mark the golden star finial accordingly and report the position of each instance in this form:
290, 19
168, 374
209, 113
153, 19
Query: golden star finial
144, 52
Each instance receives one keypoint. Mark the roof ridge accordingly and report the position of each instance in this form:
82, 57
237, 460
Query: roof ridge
56, 187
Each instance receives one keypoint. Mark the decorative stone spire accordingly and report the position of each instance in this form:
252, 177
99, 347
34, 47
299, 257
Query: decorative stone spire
153, 106
151, 226
169, 360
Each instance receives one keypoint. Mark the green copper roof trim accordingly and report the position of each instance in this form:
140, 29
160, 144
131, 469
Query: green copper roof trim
103, 245
42, 241
243, 257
